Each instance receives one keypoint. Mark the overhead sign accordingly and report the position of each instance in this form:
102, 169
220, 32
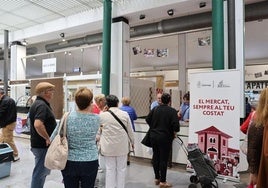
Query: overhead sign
49, 65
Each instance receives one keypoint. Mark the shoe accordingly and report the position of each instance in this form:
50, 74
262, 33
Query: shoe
128, 163
156, 181
164, 184
16, 158
100, 170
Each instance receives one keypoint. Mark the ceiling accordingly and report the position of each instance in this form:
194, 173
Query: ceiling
23, 19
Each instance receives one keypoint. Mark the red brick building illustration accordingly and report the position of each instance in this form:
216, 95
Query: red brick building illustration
215, 144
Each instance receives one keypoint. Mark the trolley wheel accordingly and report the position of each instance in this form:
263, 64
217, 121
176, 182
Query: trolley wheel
215, 184
192, 185
193, 179
209, 185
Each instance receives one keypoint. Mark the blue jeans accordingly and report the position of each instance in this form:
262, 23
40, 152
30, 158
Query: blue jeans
40, 172
80, 173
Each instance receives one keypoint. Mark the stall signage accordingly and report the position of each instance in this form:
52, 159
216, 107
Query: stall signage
49, 65
255, 85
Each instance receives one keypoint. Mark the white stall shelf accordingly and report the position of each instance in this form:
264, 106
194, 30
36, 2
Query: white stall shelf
178, 154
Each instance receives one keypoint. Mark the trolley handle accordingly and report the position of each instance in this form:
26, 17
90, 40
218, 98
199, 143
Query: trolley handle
180, 140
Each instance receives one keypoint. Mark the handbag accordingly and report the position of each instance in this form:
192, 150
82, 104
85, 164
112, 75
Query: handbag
57, 153
124, 127
147, 140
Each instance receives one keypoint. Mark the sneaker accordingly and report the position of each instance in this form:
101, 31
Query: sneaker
164, 185
16, 158
100, 170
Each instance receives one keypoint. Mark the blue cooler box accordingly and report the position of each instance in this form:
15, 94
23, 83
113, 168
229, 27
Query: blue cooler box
6, 156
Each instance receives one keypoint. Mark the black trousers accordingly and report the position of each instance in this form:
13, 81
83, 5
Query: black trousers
161, 152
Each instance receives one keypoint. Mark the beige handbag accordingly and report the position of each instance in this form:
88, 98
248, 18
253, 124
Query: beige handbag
57, 153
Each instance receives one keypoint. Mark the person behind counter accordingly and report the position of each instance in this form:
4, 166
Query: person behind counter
163, 122
157, 102
184, 112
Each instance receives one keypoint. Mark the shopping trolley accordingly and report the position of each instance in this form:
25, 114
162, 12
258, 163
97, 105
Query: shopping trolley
204, 171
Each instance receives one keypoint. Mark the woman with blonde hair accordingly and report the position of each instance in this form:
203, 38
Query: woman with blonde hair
99, 104
258, 144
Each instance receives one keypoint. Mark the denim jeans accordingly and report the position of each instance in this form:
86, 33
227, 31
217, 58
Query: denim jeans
80, 173
40, 171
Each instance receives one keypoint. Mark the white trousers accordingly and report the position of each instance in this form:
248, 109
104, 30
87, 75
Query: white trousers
115, 171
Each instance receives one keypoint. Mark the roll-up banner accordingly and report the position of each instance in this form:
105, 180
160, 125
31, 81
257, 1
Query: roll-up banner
215, 118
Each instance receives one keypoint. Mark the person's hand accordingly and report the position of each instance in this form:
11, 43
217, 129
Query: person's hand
105, 108
48, 142
253, 179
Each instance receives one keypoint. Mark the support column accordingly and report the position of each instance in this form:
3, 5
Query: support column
6, 61
106, 46
17, 69
120, 66
182, 53
240, 49
217, 35
231, 35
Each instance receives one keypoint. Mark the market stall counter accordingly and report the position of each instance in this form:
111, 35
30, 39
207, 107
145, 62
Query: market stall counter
178, 155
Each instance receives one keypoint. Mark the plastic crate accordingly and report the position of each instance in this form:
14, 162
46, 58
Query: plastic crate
6, 156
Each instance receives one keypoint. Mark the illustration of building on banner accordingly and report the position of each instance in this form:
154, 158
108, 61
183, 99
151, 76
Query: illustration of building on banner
215, 144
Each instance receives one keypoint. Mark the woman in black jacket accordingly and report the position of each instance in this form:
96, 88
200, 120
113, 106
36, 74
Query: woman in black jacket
163, 122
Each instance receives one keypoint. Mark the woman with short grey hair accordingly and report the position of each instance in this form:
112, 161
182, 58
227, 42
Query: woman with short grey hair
114, 142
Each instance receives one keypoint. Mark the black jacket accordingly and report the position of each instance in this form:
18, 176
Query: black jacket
163, 122
8, 111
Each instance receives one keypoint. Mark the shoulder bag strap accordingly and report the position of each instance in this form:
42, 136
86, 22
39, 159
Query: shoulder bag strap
184, 111
121, 123
64, 119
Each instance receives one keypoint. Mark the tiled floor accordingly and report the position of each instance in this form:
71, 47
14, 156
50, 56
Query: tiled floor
139, 173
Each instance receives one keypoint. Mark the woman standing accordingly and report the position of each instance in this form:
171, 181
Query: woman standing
82, 126
114, 142
258, 144
163, 122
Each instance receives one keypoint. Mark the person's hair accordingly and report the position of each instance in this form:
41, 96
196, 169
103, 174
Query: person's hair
112, 101
125, 101
83, 98
261, 118
2, 91
165, 98
99, 97
186, 96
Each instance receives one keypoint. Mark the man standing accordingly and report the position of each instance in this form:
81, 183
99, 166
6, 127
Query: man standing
42, 125
8, 118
